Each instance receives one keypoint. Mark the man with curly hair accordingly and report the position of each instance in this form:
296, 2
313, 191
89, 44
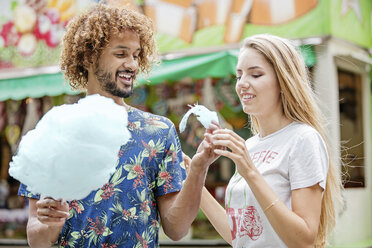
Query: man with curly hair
103, 50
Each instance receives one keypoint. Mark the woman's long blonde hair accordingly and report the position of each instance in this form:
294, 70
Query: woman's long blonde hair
299, 105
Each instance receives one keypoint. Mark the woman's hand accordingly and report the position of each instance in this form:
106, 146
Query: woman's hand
237, 152
204, 155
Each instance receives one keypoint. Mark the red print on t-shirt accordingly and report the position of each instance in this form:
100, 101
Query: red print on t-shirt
246, 222
263, 157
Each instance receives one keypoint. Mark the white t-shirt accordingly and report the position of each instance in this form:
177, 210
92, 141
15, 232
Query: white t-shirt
291, 158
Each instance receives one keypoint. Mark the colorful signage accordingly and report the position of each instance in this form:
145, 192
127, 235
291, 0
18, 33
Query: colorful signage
31, 31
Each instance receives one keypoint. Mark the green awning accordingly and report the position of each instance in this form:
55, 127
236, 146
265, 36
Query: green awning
34, 86
217, 64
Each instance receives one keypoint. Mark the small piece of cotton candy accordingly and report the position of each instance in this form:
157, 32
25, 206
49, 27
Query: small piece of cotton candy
73, 149
204, 115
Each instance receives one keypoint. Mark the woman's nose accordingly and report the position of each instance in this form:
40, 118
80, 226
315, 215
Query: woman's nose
243, 83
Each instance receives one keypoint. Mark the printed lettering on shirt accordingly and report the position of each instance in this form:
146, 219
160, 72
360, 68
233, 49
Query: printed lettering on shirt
245, 222
263, 157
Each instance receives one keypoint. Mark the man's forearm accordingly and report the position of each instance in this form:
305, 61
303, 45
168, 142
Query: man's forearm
184, 209
40, 235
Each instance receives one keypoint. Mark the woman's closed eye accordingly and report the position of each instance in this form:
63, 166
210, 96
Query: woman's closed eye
256, 75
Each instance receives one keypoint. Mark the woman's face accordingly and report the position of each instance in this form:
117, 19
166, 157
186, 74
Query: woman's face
257, 85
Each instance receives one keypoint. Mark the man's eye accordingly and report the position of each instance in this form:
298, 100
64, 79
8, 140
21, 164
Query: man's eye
256, 75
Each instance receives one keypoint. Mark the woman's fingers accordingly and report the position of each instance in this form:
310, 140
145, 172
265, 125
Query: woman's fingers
234, 157
208, 138
221, 140
226, 140
213, 126
230, 133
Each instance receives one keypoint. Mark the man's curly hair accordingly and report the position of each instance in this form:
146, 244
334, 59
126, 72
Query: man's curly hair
89, 33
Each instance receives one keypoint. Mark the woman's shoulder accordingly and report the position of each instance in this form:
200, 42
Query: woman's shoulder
302, 129
306, 133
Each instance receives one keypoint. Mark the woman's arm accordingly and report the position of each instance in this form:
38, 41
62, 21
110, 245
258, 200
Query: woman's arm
178, 210
297, 227
216, 214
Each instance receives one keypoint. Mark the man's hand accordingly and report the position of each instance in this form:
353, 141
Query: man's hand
204, 155
52, 212
187, 161
179, 209
46, 219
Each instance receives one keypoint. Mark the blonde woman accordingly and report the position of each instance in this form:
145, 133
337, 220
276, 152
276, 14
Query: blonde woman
285, 187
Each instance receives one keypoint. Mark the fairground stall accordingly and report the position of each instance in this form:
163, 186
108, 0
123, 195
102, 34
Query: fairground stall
199, 44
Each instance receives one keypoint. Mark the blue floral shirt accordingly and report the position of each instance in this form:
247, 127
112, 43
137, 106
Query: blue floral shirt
123, 213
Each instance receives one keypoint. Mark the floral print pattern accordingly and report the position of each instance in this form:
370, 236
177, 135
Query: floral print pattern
123, 212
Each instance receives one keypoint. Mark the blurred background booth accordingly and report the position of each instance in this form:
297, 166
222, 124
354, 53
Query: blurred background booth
199, 44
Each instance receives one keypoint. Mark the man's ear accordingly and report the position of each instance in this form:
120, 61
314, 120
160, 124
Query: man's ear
91, 68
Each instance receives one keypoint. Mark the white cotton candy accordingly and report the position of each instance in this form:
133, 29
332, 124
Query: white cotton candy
73, 150
204, 115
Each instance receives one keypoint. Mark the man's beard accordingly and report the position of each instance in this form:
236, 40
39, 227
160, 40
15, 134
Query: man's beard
109, 86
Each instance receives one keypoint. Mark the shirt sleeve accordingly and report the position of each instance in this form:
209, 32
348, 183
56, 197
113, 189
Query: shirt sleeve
171, 173
22, 191
308, 162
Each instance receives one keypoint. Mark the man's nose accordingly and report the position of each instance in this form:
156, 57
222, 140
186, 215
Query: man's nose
131, 63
